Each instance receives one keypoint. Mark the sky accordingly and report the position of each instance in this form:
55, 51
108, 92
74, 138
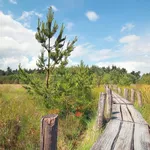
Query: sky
109, 32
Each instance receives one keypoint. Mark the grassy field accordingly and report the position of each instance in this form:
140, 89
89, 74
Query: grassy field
20, 115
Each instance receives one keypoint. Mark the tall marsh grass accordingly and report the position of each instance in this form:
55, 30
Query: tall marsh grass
20, 115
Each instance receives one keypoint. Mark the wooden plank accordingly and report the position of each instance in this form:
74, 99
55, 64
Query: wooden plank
137, 117
122, 99
116, 99
125, 113
106, 140
141, 137
116, 114
124, 141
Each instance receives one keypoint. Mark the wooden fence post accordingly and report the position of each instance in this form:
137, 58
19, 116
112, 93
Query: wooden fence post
48, 133
139, 97
126, 93
119, 91
132, 96
101, 108
109, 103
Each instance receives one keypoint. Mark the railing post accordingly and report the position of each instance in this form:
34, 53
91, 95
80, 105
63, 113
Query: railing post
126, 93
109, 103
132, 96
48, 133
139, 97
119, 91
101, 107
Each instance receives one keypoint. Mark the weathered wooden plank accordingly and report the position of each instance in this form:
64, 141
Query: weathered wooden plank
125, 113
109, 103
141, 137
101, 107
126, 93
122, 99
116, 114
106, 140
124, 141
137, 117
139, 97
132, 96
116, 99
48, 134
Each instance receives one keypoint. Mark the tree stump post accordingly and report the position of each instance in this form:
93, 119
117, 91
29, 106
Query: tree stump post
132, 96
126, 93
139, 97
109, 103
48, 133
119, 91
101, 108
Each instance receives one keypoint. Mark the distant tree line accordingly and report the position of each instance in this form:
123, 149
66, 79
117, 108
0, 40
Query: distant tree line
99, 75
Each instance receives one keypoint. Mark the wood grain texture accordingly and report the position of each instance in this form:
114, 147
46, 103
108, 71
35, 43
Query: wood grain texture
141, 137
109, 103
125, 113
124, 141
116, 114
48, 134
127, 129
101, 108
132, 96
122, 99
116, 99
106, 140
137, 117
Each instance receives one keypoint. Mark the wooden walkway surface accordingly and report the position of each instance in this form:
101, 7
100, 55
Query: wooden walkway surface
127, 130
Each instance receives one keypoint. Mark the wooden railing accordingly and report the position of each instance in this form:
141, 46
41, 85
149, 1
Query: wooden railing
129, 94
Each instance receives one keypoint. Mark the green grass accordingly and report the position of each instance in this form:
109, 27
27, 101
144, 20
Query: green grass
20, 115
20, 118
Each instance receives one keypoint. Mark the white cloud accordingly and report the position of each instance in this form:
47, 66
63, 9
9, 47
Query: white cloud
27, 15
92, 16
127, 27
109, 38
69, 26
129, 65
54, 8
13, 1
18, 43
80, 50
129, 39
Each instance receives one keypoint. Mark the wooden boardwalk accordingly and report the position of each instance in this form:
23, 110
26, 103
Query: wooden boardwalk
127, 130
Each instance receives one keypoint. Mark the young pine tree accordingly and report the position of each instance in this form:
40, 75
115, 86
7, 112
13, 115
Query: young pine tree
57, 53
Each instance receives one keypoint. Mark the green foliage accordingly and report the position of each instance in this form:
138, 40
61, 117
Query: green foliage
145, 79
57, 55
127, 79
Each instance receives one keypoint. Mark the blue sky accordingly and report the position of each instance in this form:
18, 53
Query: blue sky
109, 32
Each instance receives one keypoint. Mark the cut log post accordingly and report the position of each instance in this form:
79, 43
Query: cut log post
119, 91
48, 133
132, 96
101, 108
126, 93
139, 97
109, 103
116, 88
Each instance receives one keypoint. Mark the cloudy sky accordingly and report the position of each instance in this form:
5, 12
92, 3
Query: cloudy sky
109, 32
